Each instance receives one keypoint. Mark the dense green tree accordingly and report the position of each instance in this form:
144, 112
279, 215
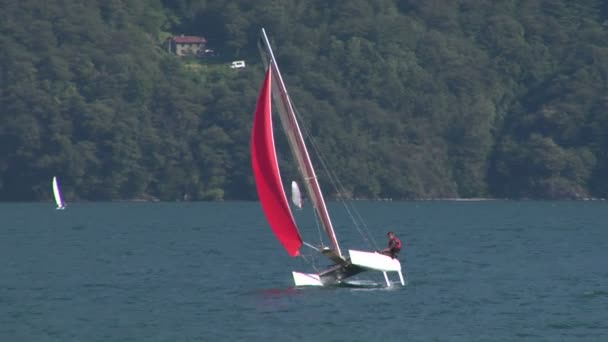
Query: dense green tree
401, 99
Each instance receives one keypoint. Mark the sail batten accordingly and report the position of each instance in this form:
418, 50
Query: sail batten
266, 171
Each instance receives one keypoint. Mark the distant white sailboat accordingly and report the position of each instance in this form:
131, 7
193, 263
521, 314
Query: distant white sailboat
57, 193
296, 195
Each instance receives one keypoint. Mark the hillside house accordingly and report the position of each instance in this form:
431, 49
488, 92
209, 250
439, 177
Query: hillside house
187, 45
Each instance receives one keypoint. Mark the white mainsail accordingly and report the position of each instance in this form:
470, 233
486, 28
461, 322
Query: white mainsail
57, 193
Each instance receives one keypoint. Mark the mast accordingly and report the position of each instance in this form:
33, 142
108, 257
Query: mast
296, 141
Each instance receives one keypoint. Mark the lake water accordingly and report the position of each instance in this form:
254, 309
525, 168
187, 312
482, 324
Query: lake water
476, 271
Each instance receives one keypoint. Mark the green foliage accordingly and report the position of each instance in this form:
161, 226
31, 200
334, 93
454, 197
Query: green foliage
403, 99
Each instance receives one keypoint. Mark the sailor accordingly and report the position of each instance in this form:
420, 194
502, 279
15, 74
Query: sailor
394, 246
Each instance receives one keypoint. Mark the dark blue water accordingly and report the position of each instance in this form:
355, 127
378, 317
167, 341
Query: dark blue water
477, 271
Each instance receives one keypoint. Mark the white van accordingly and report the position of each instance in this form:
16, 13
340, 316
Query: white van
237, 64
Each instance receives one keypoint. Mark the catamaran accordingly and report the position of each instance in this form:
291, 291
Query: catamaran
57, 194
272, 193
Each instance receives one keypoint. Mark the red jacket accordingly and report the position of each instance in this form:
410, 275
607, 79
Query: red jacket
394, 244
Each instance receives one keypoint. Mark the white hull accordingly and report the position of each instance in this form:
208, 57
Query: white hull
306, 279
364, 260
374, 261
377, 262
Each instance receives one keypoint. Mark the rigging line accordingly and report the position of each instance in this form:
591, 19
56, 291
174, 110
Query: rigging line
311, 258
314, 207
364, 232
338, 186
350, 208
318, 224
331, 175
371, 237
356, 217
310, 262
311, 246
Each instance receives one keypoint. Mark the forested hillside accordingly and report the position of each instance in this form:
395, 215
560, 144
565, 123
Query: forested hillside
404, 98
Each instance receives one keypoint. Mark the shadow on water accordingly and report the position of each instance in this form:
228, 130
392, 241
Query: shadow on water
361, 284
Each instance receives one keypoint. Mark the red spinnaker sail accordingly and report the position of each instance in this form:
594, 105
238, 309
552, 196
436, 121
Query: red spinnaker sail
267, 177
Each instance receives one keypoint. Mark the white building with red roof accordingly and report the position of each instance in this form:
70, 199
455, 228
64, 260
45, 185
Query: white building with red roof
187, 45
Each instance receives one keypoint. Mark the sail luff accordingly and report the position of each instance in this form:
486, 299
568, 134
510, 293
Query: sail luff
267, 177
296, 143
